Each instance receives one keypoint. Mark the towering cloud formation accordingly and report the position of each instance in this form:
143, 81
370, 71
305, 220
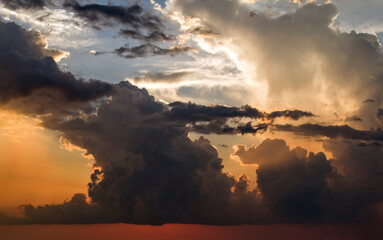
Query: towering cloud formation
301, 186
148, 171
305, 60
293, 183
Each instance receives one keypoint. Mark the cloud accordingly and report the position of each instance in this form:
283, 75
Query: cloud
292, 182
151, 173
139, 23
154, 36
360, 185
146, 50
162, 77
195, 112
290, 114
309, 187
105, 15
30, 79
301, 55
379, 115
332, 131
25, 4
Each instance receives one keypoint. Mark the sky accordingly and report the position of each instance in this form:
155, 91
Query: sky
209, 112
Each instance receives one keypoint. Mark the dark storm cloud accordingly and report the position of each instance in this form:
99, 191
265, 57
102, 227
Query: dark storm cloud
147, 50
29, 74
308, 187
292, 182
218, 119
154, 36
361, 171
150, 173
194, 112
202, 31
290, 114
25, 4
105, 15
343, 131
145, 172
166, 77
221, 127
354, 118
369, 101
379, 115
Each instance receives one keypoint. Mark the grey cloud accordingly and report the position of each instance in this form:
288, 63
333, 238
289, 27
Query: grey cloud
379, 115
138, 20
166, 77
150, 173
146, 50
292, 182
154, 36
134, 16
290, 114
343, 131
203, 31
221, 119
26, 4
301, 186
360, 185
28, 74
354, 118
194, 112
369, 101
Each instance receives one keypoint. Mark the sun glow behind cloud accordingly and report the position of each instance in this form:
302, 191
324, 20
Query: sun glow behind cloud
34, 166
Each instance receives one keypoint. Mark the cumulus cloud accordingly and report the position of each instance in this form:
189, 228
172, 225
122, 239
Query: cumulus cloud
149, 173
303, 58
301, 186
293, 183
30, 79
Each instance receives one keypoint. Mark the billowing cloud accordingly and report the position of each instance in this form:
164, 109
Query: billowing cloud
146, 168
293, 183
303, 58
147, 173
301, 186
30, 79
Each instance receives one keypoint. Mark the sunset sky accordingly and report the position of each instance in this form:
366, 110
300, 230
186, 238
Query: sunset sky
208, 112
